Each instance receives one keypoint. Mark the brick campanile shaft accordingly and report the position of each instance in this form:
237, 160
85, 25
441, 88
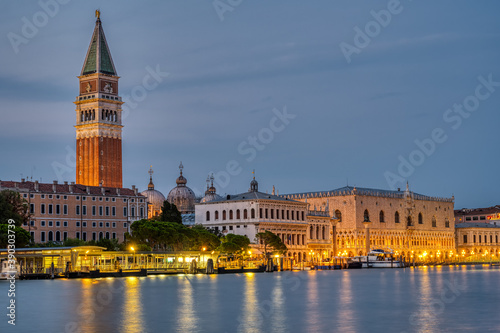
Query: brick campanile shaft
99, 117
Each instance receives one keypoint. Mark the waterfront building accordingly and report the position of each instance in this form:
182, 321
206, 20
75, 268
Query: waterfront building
405, 222
154, 197
252, 212
478, 215
478, 241
99, 117
183, 198
61, 211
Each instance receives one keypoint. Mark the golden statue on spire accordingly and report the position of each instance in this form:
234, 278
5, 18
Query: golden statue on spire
98, 14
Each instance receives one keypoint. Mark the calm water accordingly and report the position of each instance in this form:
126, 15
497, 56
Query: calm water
428, 299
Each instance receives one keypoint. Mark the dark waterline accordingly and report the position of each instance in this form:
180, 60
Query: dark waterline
425, 299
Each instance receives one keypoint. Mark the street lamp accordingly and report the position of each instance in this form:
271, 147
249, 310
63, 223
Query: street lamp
133, 257
366, 223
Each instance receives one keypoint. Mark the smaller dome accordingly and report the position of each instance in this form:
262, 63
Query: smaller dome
155, 198
181, 180
211, 192
181, 195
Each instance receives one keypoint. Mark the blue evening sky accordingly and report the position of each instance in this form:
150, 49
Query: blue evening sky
234, 65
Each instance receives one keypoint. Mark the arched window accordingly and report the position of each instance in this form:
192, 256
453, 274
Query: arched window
208, 216
396, 217
366, 215
216, 215
409, 222
323, 233
101, 235
238, 214
81, 116
434, 223
338, 215
58, 236
107, 235
51, 236
93, 114
224, 215
252, 213
447, 223
102, 115
272, 214
381, 216
245, 214
282, 214
277, 214
287, 214
420, 218
317, 232
311, 232
293, 215
231, 214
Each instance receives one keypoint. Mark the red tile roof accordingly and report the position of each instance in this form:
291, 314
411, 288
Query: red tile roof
64, 188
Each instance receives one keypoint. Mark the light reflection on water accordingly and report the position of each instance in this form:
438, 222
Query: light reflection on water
425, 299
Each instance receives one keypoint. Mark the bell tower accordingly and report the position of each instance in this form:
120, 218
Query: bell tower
99, 117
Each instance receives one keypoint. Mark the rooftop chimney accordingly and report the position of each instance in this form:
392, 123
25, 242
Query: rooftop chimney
23, 180
134, 189
88, 189
103, 190
71, 187
118, 191
36, 185
54, 189
65, 183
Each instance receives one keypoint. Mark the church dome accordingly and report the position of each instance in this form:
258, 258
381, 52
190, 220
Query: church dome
210, 193
181, 195
155, 198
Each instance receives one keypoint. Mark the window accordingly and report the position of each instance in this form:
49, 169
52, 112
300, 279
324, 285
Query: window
58, 223
223, 215
245, 214
42, 236
293, 215
94, 210
338, 215
65, 209
94, 236
132, 210
482, 217
43, 196
366, 216
107, 211
94, 224
100, 211
409, 222
50, 196
77, 223
303, 217
114, 235
230, 227
125, 211
32, 223
396, 217
479, 238
85, 236
381, 216
65, 223
42, 209
125, 225
58, 209
252, 213
287, 214
142, 211
272, 214
101, 224
32, 208
51, 236
50, 209
114, 224
231, 214
434, 224
107, 224
238, 214
420, 218
468, 218
77, 235
58, 236
447, 223
84, 210
474, 218
51, 224
77, 209
261, 215
474, 238
207, 218
32, 235
42, 223
84, 224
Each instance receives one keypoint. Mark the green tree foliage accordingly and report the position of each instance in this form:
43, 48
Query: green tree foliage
159, 235
73, 242
22, 237
271, 240
234, 244
13, 206
170, 213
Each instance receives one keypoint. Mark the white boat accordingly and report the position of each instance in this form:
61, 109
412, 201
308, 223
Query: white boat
6, 272
378, 259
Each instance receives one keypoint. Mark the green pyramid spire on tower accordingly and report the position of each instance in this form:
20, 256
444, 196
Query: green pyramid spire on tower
98, 59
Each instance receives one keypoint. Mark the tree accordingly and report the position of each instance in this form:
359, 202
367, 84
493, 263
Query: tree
22, 237
13, 206
234, 244
271, 240
170, 213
